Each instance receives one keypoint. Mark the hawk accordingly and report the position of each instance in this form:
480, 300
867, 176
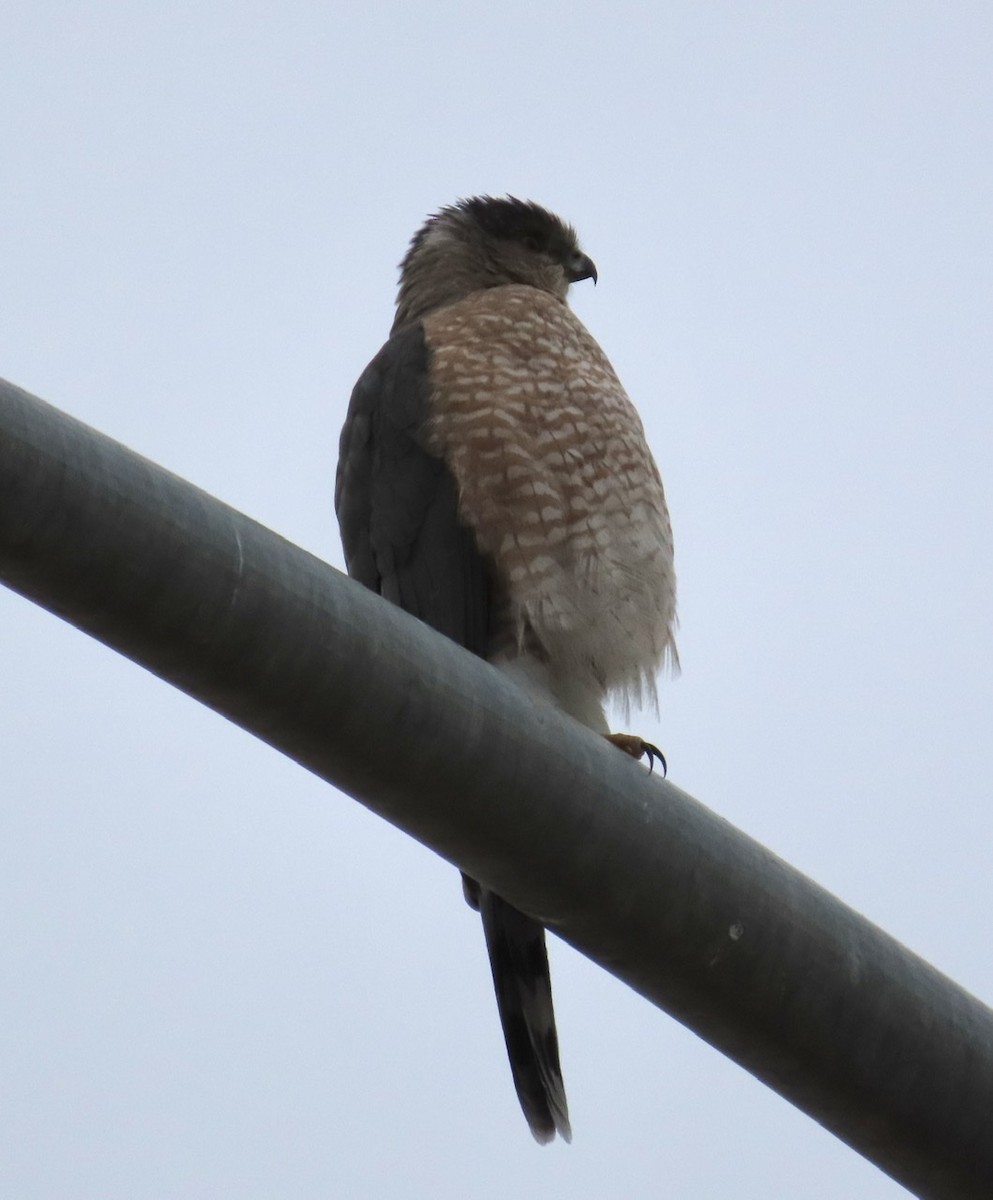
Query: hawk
494, 480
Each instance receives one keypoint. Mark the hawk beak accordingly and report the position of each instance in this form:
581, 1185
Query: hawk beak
580, 266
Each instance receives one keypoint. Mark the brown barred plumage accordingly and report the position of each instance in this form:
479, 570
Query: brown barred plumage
495, 481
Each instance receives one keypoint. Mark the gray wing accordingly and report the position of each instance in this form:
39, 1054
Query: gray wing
397, 506
397, 510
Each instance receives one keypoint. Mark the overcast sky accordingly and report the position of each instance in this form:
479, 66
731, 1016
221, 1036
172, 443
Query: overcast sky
220, 977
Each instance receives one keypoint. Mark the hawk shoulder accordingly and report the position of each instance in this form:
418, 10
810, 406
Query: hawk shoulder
396, 500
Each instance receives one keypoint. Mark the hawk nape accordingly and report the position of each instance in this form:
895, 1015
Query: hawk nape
494, 480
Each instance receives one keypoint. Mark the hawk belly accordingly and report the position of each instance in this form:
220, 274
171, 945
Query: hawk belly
557, 483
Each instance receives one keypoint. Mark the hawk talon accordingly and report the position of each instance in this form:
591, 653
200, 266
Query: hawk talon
654, 753
638, 748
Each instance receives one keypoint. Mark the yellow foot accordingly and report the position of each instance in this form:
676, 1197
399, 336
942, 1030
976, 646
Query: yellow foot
637, 747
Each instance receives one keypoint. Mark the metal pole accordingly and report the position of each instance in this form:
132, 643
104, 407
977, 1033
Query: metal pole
806, 994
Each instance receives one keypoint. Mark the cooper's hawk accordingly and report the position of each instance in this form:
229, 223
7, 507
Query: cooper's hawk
494, 481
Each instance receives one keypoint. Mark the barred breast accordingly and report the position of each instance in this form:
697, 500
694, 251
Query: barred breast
557, 482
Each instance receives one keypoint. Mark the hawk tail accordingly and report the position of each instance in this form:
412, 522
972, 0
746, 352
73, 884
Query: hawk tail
519, 961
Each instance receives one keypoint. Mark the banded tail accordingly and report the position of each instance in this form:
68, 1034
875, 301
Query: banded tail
519, 962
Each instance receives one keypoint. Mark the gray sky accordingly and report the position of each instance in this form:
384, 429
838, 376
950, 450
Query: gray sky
220, 977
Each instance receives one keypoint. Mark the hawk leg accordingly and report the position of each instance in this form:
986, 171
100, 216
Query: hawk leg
637, 747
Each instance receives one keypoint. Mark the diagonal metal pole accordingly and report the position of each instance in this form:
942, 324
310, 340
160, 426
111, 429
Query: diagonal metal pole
869, 1040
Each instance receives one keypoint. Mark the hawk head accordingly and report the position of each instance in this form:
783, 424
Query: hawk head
484, 242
